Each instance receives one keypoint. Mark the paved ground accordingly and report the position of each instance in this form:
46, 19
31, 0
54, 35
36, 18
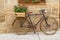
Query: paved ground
30, 37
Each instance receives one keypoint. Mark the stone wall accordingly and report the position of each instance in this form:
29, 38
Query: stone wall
7, 6
2, 16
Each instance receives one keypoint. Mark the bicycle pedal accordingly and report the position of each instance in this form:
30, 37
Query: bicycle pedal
35, 27
29, 27
21, 26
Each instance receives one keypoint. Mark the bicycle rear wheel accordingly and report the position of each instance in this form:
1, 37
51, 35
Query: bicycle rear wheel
52, 28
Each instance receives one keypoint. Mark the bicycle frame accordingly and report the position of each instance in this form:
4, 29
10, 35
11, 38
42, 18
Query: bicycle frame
40, 20
30, 21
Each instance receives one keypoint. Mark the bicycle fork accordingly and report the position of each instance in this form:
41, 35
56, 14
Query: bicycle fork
45, 19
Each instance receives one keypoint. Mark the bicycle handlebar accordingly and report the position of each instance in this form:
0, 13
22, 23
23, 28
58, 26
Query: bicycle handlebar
29, 12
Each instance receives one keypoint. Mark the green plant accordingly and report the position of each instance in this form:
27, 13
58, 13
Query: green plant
26, 0
20, 9
34, 1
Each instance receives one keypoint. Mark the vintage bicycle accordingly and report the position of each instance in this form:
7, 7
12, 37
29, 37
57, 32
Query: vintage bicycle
47, 25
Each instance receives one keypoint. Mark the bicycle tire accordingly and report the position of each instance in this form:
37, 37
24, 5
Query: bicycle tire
45, 30
18, 29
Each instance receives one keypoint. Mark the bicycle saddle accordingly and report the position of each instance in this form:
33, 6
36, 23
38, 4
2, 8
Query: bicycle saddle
44, 10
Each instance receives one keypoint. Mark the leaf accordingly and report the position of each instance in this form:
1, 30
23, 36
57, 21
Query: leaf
20, 9
26, 0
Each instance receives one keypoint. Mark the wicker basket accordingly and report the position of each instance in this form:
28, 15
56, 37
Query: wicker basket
20, 14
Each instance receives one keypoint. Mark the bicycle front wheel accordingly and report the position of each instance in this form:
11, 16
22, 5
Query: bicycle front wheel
52, 28
19, 28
